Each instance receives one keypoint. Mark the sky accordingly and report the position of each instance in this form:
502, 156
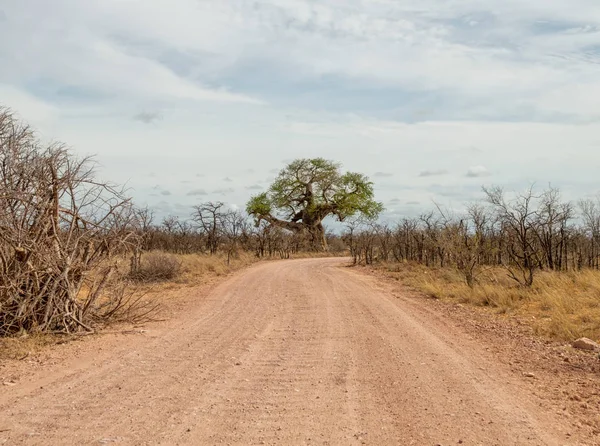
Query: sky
187, 101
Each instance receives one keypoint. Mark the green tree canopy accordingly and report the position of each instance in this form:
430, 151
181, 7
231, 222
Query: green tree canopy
308, 190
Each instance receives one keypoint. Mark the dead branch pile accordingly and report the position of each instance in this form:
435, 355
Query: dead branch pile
59, 228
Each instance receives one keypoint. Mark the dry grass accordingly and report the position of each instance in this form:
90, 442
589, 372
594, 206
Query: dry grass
156, 267
318, 255
198, 266
562, 306
19, 348
195, 269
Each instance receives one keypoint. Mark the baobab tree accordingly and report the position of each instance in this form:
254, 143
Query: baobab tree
308, 190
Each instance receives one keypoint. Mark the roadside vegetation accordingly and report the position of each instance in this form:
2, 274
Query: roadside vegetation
76, 253
531, 254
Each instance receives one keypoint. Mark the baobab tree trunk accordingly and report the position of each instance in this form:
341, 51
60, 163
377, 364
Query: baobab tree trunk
318, 241
312, 228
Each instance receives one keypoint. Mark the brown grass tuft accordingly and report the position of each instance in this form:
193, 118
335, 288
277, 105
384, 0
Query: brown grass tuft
562, 306
157, 266
22, 347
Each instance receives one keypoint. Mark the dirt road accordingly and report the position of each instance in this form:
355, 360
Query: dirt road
292, 352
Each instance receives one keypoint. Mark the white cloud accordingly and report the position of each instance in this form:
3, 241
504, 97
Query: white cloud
382, 86
432, 173
93, 49
224, 191
30, 108
196, 192
148, 117
477, 172
161, 50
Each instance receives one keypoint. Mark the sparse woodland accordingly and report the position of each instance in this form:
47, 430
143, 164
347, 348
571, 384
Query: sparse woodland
525, 233
74, 248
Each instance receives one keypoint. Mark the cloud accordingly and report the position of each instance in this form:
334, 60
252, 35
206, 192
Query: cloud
446, 59
165, 193
227, 180
394, 200
196, 192
383, 174
165, 208
477, 172
255, 187
148, 117
224, 191
432, 173
413, 203
25, 104
419, 83
109, 50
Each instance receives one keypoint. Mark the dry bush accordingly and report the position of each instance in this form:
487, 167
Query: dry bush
157, 266
560, 305
59, 227
197, 267
193, 269
524, 234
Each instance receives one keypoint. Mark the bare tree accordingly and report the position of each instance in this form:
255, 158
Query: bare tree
518, 217
553, 219
461, 240
590, 211
233, 225
209, 217
144, 218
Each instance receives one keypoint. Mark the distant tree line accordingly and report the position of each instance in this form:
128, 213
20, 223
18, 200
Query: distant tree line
523, 233
214, 228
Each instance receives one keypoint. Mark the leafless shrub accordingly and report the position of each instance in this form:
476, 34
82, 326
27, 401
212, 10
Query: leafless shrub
124, 305
59, 230
157, 266
362, 238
